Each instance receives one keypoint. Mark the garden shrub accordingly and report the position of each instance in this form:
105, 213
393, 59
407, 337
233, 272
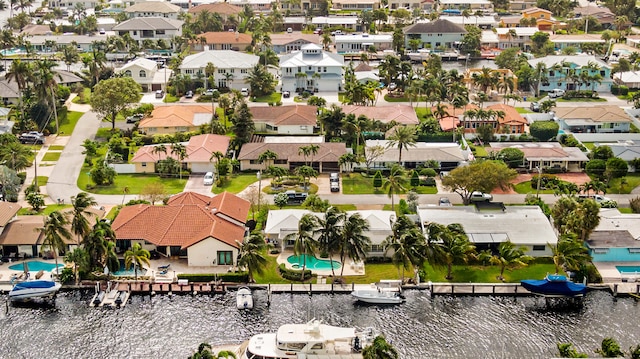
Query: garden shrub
415, 179
377, 180
428, 172
430, 182
544, 130
292, 274
546, 181
634, 203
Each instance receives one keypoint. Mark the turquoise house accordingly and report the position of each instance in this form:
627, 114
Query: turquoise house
575, 72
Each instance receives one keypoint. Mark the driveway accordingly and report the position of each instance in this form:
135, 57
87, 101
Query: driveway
195, 183
151, 98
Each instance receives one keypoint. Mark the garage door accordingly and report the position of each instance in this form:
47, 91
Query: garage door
201, 167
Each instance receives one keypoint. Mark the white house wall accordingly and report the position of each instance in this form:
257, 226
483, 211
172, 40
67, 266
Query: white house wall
205, 252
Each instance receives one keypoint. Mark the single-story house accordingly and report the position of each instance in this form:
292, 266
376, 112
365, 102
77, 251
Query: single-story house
448, 155
147, 74
597, 119
400, 114
153, 9
9, 92
512, 122
563, 41
290, 156
286, 120
176, 118
525, 226
453, 116
628, 150
281, 223
221, 40
224, 9
546, 154
292, 41
617, 237
8, 213
205, 231
435, 34
348, 22
232, 67
365, 73
631, 79
485, 22
200, 150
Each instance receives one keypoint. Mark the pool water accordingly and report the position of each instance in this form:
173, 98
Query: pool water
628, 269
313, 262
123, 271
35, 266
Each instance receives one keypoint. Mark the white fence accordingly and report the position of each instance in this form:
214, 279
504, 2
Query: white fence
123, 167
606, 137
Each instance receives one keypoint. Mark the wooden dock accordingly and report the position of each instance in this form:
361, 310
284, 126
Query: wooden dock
478, 289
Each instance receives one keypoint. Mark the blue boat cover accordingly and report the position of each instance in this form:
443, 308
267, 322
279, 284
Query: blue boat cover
34, 284
554, 285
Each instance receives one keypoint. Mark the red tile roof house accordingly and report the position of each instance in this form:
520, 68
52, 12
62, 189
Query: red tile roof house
289, 156
401, 114
285, 120
199, 151
512, 122
203, 230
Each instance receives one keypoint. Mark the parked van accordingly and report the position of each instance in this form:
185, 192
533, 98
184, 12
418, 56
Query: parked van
596, 197
555, 93
159, 94
208, 179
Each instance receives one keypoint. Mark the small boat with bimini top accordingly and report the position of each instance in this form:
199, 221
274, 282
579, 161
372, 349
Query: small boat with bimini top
34, 289
554, 286
386, 291
313, 340
244, 298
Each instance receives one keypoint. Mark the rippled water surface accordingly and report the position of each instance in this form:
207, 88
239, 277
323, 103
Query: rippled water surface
423, 327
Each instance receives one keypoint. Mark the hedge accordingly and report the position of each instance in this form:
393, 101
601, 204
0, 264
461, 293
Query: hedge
292, 274
238, 277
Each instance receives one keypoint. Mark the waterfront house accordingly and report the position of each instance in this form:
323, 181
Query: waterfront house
260, 6
546, 155
400, 114
515, 37
347, 44
356, 5
199, 154
512, 121
289, 155
576, 41
224, 9
485, 22
221, 40
524, 226
176, 118
544, 22
285, 120
561, 67
631, 79
616, 239
434, 35
147, 74
423, 5
8, 213
448, 155
232, 67
153, 9
203, 230
351, 23
596, 119
605, 17
150, 28
83, 43
289, 42
311, 69
454, 7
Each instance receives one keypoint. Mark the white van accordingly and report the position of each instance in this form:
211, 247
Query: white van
555, 93
208, 179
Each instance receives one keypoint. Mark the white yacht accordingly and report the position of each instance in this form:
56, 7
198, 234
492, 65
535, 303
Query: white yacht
244, 298
386, 291
34, 289
313, 340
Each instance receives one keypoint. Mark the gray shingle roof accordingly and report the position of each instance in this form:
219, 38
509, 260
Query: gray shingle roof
439, 26
148, 23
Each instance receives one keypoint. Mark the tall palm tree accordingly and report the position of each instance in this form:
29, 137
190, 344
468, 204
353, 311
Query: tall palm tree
354, 244
380, 349
79, 220
569, 253
46, 85
252, 254
407, 244
158, 149
395, 183
453, 243
79, 259
180, 151
16, 156
19, 73
304, 242
55, 232
96, 243
403, 137
266, 156
329, 232
509, 255
136, 257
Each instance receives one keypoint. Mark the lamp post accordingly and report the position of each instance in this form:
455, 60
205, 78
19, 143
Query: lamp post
539, 168
259, 175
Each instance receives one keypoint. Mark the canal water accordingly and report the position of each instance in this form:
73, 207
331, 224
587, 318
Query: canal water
423, 327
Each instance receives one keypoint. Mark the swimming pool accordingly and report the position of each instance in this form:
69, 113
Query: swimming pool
35, 266
313, 262
123, 271
628, 269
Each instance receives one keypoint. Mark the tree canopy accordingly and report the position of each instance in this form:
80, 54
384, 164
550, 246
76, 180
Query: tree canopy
478, 176
112, 96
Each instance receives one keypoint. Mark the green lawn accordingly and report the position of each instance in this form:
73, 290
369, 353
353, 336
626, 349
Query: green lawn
481, 151
26, 211
66, 128
633, 181
313, 188
274, 97
395, 99
51, 156
236, 183
525, 188
589, 145
582, 100
356, 183
42, 181
626, 210
56, 148
86, 96
169, 98
523, 110
135, 182
270, 274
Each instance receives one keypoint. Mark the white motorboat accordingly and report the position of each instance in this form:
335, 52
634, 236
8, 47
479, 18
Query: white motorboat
244, 298
387, 291
420, 55
34, 289
311, 340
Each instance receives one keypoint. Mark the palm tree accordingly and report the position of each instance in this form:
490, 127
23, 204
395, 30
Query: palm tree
509, 255
252, 254
265, 156
403, 137
79, 258
380, 349
304, 243
55, 233
569, 253
19, 73
97, 245
394, 183
136, 257
306, 172
452, 242
407, 244
16, 156
329, 232
353, 243
79, 221
158, 149
46, 85
180, 151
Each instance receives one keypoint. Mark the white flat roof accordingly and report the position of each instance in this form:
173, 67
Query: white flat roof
364, 38
294, 139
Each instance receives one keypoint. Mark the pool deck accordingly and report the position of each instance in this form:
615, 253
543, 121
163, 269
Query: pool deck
610, 273
349, 267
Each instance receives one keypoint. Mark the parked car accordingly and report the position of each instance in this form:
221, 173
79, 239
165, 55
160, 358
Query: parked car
596, 197
286, 94
210, 92
334, 177
289, 30
31, 138
159, 94
478, 196
392, 86
189, 94
296, 197
135, 118
336, 32
335, 186
444, 202
317, 31
555, 93
208, 179
244, 91
535, 107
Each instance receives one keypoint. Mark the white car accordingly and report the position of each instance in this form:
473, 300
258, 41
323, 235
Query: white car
208, 179
244, 91
478, 196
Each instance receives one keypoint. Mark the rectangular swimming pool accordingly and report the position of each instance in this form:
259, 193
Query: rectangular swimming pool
628, 269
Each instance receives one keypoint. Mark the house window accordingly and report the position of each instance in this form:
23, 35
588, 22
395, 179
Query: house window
254, 162
602, 73
127, 73
559, 84
325, 69
551, 73
159, 32
189, 71
244, 71
221, 71
376, 248
232, 70
303, 128
143, 73
225, 258
280, 162
539, 247
144, 164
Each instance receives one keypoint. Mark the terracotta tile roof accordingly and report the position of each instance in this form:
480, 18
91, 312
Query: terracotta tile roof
286, 115
8, 210
225, 37
328, 151
453, 120
604, 113
189, 198
23, 231
217, 8
401, 114
511, 115
174, 116
363, 67
533, 10
183, 224
199, 149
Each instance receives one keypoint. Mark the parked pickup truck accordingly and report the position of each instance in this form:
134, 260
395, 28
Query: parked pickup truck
31, 138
